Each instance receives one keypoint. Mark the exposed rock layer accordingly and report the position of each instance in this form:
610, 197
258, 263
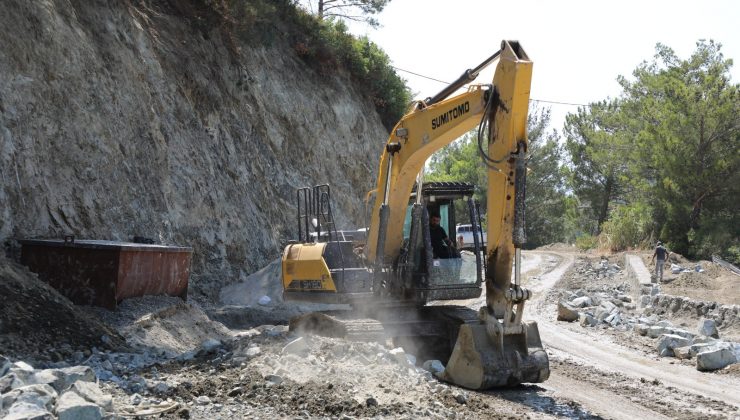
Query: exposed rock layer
119, 120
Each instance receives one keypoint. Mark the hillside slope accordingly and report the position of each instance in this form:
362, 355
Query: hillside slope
124, 118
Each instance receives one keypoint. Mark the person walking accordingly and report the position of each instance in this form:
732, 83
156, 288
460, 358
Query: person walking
662, 255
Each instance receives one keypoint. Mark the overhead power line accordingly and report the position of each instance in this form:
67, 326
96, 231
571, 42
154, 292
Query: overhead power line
557, 102
420, 75
531, 99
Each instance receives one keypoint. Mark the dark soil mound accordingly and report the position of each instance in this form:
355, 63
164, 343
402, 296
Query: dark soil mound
36, 321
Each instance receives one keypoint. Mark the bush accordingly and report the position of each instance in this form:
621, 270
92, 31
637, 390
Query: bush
586, 242
732, 255
326, 44
629, 226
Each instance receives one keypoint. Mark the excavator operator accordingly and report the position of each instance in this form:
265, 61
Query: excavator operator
442, 246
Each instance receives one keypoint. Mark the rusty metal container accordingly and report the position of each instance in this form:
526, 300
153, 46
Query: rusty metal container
102, 273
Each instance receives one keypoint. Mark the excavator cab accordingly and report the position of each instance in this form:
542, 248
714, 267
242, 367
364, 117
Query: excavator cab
429, 269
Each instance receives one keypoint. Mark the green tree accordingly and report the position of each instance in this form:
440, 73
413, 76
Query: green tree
684, 117
545, 200
459, 161
596, 145
355, 10
546, 197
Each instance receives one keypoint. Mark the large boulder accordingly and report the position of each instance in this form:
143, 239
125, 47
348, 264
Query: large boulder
10, 381
91, 392
649, 320
704, 339
682, 333
24, 411
22, 371
667, 342
715, 357
614, 319
708, 328
71, 406
605, 309
608, 306
566, 312
61, 379
656, 331
39, 395
399, 355
697, 348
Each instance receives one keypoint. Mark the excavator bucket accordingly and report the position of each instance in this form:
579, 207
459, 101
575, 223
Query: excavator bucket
480, 361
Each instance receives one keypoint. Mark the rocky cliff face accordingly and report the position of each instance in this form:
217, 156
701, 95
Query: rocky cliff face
119, 120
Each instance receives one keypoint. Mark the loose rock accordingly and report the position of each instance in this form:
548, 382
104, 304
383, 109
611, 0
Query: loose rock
708, 327
566, 312
581, 302
433, 366
71, 406
91, 392
587, 320
714, 358
668, 342
203, 400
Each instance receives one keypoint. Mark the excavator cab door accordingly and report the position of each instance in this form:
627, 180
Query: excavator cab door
443, 274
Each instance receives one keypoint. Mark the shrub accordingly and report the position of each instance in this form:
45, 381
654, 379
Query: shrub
327, 44
629, 226
586, 242
732, 255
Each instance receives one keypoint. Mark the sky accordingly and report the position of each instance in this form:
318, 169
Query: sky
578, 48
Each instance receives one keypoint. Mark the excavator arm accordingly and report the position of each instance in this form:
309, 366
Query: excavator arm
414, 139
429, 127
499, 349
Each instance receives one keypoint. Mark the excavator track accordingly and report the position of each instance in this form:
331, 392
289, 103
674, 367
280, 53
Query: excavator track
454, 335
339, 325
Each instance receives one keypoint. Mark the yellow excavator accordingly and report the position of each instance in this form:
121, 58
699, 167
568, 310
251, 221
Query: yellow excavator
395, 278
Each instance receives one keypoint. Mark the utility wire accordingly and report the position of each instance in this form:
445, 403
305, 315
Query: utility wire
420, 75
557, 103
531, 99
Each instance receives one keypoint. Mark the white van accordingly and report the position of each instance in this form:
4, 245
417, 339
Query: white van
466, 232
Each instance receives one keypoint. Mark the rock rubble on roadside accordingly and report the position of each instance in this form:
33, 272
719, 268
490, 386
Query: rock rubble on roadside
710, 353
606, 306
67, 393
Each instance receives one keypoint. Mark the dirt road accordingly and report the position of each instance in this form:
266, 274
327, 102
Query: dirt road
611, 380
